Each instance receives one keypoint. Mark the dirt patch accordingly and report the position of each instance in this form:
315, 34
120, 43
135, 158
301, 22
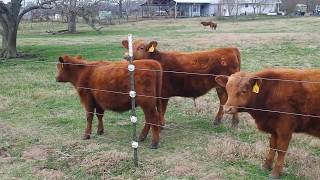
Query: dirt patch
4, 153
182, 170
230, 149
308, 165
5, 156
95, 146
36, 153
104, 161
180, 165
4, 103
49, 174
124, 123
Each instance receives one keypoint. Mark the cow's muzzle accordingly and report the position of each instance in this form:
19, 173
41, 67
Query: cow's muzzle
229, 109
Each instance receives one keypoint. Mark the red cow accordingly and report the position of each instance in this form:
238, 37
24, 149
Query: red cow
294, 105
209, 23
223, 61
104, 86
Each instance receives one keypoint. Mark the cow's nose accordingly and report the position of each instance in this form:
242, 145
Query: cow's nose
228, 109
126, 56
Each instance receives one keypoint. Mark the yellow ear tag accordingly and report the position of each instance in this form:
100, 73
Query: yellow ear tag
151, 49
255, 88
61, 65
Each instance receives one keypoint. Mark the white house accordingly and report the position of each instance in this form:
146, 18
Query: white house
192, 8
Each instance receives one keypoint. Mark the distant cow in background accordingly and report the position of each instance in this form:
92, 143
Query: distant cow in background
104, 85
210, 23
195, 71
281, 101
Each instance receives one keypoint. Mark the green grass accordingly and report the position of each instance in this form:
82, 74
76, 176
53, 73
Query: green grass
35, 111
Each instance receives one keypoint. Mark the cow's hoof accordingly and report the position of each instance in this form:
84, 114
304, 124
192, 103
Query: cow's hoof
266, 167
235, 123
273, 177
100, 132
86, 136
154, 146
141, 139
216, 123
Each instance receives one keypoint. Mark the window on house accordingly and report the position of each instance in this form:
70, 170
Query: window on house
246, 5
195, 8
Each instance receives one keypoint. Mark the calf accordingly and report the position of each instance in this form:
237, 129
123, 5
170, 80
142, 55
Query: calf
281, 101
105, 85
209, 23
223, 61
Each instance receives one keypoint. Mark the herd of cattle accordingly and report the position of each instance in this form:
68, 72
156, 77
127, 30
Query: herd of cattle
281, 101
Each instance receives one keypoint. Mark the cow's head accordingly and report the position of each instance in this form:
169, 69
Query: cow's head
141, 49
63, 67
241, 88
228, 65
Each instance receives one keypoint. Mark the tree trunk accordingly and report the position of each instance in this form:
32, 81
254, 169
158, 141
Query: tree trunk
9, 40
12, 42
72, 24
120, 9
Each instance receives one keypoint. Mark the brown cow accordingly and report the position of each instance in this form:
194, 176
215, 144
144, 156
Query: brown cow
209, 23
106, 86
290, 102
223, 61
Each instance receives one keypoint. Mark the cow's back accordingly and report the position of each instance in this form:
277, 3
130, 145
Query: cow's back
291, 91
202, 65
114, 81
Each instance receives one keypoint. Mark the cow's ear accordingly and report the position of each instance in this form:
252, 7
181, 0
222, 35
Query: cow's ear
152, 46
222, 80
61, 60
125, 44
255, 84
78, 57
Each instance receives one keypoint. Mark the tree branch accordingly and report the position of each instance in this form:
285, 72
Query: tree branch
3, 8
40, 6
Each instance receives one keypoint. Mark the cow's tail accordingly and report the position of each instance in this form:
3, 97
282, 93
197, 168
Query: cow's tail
159, 97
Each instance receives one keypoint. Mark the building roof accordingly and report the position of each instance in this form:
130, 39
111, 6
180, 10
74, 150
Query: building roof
194, 1
168, 2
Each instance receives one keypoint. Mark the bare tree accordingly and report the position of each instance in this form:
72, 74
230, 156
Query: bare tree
10, 17
87, 9
255, 4
230, 4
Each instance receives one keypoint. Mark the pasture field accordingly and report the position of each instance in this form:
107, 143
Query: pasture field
42, 122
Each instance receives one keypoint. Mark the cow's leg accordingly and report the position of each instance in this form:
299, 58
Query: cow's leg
144, 132
99, 114
89, 107
89, 113
223, 97
164, 109
152, 119
282, 146
162, 120
269, 159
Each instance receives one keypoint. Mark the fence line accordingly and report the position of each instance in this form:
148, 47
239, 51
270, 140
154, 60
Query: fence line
247, 108
190, 73
118, 60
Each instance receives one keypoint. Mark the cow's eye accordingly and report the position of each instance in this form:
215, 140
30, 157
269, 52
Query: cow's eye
141, 48
244, 92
